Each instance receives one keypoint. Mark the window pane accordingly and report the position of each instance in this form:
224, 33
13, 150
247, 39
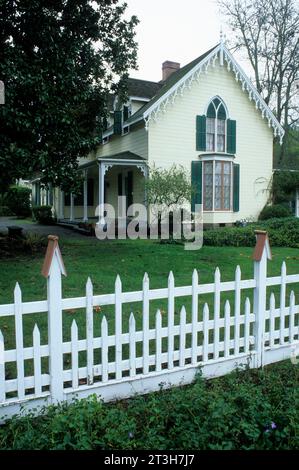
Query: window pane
220, 135
208, 186
210, 134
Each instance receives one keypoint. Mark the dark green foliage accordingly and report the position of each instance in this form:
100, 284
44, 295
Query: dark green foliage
59, 61
284, 185
18, 200
282, 232
29, 244
43, 214
275, 211
247, 410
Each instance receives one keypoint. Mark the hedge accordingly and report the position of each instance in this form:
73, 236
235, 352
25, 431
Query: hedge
282, 232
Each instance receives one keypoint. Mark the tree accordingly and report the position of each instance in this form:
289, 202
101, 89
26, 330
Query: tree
268, 30
59, 60
167, 190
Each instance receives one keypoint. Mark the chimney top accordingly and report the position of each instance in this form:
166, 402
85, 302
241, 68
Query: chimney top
168, 68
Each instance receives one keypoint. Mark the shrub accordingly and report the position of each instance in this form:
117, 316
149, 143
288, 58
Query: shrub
18, 200
43, 214
278, 210
5, 211
30, 243
282, 232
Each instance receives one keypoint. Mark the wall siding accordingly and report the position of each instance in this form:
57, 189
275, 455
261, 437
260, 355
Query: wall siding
172, 139
135, 141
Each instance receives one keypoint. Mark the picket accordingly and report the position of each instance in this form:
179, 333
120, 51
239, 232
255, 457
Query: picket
205, 333
194, 315
145, 324
118, 328
217, 287
292, 317
132, 353
37, 361
237, 310
19, 341
170, 319
182, 336
158, 341
247, 327
115, 370
272, 320
226, 329
282, 301
2, 369
89, 330
104, 334
75, 366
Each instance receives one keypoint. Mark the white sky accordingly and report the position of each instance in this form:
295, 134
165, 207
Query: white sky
177, 30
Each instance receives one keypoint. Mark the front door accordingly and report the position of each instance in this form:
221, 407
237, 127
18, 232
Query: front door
125, 186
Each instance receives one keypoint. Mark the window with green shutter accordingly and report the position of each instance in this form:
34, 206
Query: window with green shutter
196, 182
201, 133
231, 136
118, 122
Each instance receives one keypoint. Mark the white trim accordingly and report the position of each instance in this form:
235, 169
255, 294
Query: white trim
228, 158
139, 98
186, 81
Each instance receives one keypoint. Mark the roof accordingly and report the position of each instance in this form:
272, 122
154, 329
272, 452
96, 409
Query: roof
122, 156
165, 86
142, 88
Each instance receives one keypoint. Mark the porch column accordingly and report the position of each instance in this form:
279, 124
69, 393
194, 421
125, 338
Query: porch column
297, 203
61, 204
101, 193
72, 208
85, 213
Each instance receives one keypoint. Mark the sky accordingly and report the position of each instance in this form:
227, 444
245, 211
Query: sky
176, 30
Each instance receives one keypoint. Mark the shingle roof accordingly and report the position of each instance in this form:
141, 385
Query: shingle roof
142, 88
172, 80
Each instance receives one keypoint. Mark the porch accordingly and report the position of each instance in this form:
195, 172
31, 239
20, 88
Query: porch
104, 180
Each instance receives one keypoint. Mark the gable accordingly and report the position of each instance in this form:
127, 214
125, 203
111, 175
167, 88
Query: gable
184, 78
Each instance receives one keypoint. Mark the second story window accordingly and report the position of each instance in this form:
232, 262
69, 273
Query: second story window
215, 132
216, 126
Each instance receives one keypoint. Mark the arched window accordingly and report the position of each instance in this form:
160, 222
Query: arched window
216, 126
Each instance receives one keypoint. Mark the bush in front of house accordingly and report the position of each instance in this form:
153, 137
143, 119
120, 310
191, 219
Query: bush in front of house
17, 199
245, 410
43, 214
275, 211
282, 232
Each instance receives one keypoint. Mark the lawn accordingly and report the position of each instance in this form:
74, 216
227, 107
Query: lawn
102, 261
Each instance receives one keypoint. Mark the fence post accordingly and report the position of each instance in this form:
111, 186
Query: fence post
52, 270
261, 254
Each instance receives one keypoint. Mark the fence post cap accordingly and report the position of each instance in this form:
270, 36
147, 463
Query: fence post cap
53, 250
262, 243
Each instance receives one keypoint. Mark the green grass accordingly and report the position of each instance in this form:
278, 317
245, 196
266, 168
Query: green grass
249, 410
102, 261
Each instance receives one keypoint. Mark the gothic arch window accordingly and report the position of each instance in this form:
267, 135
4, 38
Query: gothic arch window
216, 126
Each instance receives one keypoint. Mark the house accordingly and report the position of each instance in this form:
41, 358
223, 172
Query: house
206, 116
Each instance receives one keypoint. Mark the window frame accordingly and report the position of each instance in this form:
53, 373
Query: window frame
216, 119
213, 160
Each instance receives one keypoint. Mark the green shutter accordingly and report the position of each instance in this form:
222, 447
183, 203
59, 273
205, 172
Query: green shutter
118, 122
196, 181
126, 113
201, 133
231, 136
236, 187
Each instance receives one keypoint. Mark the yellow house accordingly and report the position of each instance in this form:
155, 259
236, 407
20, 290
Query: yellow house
206, 116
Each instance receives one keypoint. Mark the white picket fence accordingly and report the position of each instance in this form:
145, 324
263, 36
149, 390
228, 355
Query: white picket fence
133, 360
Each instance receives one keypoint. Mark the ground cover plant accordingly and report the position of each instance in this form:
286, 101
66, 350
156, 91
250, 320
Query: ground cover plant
245, 410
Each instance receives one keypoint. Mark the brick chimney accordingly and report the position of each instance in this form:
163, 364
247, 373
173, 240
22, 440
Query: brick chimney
168, 68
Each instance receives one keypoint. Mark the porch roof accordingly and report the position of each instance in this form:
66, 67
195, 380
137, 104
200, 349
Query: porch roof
127, 155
